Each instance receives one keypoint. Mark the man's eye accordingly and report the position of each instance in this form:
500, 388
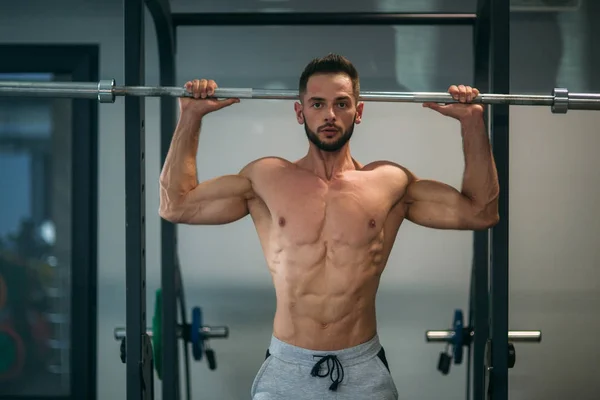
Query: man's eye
316, 105
342, 105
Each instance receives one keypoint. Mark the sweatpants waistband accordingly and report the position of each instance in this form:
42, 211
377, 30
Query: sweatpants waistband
349, 356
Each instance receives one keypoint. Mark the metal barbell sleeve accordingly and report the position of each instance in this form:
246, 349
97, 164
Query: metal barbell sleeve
513, 336
76, 90
207, 332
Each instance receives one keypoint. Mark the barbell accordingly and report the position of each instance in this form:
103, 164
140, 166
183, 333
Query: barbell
460, 336
195, 333
105, 91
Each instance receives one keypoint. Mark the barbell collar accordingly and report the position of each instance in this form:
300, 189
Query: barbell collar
513, 336
106, 91
561, 101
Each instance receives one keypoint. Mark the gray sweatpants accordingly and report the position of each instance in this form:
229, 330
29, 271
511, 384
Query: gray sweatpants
291, 372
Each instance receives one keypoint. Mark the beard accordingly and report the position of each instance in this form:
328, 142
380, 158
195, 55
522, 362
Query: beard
329, 146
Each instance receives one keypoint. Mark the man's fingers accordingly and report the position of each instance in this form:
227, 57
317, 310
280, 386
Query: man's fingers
468, 94
197, 87
201, 88
462, 93
454, 91
195, 90
210, 87
189, 86
203, 84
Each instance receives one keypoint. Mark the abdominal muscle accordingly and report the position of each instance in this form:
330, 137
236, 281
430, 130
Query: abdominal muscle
325, 293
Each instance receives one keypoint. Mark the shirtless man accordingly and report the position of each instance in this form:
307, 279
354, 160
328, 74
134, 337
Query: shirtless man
327, 224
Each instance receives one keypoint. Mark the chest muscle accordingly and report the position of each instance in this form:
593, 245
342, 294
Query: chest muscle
311, 211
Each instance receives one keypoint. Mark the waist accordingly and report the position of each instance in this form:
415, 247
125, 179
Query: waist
348, 356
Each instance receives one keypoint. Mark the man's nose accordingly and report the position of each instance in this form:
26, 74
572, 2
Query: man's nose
329, 114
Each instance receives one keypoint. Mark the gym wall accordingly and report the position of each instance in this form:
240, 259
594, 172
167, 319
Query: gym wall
554, 260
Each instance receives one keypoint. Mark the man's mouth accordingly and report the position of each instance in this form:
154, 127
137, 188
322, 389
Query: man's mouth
329, 131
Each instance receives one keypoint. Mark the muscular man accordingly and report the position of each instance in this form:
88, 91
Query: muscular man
327, 224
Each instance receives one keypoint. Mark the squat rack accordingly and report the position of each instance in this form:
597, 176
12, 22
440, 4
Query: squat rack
491, 57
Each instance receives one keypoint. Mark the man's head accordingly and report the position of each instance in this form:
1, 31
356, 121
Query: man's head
329, 90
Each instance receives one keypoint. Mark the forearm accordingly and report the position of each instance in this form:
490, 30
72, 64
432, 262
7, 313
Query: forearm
179, 175
480, 179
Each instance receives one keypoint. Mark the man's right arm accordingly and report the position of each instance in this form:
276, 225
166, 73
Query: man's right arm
216, 201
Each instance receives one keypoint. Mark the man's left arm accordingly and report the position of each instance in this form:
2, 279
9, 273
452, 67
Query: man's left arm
475, 206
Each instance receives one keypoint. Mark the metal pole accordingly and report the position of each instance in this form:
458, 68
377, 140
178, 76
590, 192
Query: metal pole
139, 369
331, 18
500, 81
410, 97
479, 294
560, 100
592, 8
165, 35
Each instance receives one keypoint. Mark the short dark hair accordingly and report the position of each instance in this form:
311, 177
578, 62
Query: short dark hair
330, 64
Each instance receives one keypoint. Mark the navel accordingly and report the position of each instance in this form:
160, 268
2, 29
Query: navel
281, 221
372, 223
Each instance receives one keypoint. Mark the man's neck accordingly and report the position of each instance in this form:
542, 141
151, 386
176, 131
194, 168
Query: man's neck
327, 164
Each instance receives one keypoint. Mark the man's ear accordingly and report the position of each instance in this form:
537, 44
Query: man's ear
299, 108
359, 112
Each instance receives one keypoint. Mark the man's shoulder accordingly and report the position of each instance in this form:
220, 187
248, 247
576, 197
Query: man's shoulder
270, 161
264, 165
388, 168
394, 177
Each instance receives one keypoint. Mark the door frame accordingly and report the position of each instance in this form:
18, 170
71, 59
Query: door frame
81, 62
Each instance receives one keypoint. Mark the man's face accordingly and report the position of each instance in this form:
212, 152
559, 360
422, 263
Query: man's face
329, 111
